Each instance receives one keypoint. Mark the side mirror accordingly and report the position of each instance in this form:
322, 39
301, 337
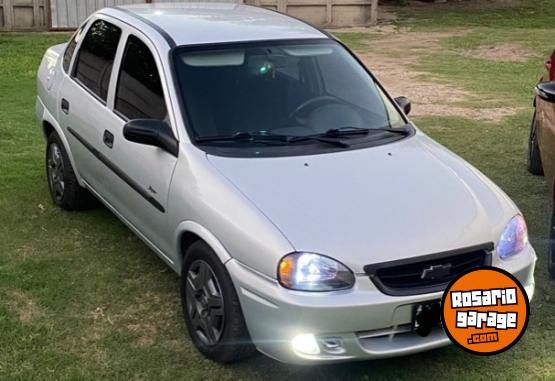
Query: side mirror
546, 91
404, 103
151, 132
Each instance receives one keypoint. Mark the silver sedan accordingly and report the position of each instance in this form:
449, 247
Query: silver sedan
309, 218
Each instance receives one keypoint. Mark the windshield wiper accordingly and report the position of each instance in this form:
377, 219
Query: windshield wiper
243, 137
349, 130
269, 138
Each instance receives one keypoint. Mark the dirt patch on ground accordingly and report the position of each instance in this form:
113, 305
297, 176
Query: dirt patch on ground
148, 317
90, 346
23, 305
466, 4
393, 59
146, 334
28, 249
509, 52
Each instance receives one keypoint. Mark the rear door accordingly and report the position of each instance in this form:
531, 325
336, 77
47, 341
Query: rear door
82, 107
140, 178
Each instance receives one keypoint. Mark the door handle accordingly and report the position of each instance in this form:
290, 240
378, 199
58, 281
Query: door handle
108, 139
65, 106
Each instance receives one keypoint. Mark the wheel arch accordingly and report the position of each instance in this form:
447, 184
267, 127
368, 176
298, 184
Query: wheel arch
49, 125
47, 128
189, 232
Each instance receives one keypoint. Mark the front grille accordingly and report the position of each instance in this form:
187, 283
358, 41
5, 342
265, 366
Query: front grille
426, 274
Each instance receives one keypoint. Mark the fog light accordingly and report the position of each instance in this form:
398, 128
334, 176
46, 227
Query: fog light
333, 345
305, 344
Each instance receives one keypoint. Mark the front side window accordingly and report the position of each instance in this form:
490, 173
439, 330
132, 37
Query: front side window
139, 93
70, 49
269, 95
96, 57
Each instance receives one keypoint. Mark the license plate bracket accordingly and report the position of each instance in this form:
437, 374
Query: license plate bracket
426, 316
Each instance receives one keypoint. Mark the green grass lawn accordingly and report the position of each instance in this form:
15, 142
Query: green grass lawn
82, 298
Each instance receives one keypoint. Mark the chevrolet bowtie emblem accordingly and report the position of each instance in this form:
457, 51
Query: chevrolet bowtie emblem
436, 272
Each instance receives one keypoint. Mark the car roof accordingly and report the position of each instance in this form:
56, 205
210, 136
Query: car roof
212, 22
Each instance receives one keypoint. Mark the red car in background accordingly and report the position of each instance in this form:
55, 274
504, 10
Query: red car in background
541, 145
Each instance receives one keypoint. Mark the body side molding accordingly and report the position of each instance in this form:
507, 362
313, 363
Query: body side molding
118, 171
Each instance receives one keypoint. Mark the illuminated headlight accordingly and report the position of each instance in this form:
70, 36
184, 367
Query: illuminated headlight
313, 272
514, 238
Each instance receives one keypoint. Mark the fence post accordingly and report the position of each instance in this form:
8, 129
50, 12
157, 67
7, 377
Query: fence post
374, 12
329, 12
37, 22
8, 15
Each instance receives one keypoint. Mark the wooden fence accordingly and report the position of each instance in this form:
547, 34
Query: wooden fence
37, 15
327, 13
24, 15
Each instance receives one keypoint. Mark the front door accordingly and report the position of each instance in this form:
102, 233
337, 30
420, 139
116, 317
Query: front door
140, 178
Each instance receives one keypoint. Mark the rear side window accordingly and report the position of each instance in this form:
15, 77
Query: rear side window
96, 57
139, 93
71, 48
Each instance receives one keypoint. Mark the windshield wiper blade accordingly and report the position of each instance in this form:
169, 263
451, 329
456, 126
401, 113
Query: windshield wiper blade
240, 136
320, 138
346, 130
268, 138
349, 130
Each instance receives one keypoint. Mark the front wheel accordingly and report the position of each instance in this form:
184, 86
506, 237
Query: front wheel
211, 307
551, 247
534, 157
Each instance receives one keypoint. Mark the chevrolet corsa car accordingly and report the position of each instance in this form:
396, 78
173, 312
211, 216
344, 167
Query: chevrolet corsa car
307, 216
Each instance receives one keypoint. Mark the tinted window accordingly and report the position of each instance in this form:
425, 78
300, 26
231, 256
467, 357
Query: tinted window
71, 48
279, 88
96, 57
336, 72
139, 93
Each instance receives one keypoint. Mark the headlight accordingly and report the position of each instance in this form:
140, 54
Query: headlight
313, 272
514, 238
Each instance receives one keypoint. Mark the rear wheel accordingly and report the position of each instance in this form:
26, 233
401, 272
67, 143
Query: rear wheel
551, 250
211, 307
534, 158
62, 182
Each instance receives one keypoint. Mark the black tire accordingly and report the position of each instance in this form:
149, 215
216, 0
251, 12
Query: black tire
62, 182
551, 246
223, 336
534, 158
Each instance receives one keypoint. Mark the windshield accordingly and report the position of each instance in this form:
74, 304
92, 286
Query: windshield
285, 88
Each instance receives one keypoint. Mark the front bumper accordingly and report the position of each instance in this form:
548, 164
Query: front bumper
365, 322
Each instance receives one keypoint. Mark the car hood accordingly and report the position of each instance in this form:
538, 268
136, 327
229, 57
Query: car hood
384, 203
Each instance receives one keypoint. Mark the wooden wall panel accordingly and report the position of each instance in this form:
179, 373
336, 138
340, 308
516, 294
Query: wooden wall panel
22, 15
29, 15
69, 14
326, 13
2, 22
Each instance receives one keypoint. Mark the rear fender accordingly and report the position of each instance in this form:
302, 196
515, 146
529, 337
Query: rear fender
48, 122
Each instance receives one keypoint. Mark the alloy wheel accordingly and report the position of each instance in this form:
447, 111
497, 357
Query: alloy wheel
55, 165
205, 305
